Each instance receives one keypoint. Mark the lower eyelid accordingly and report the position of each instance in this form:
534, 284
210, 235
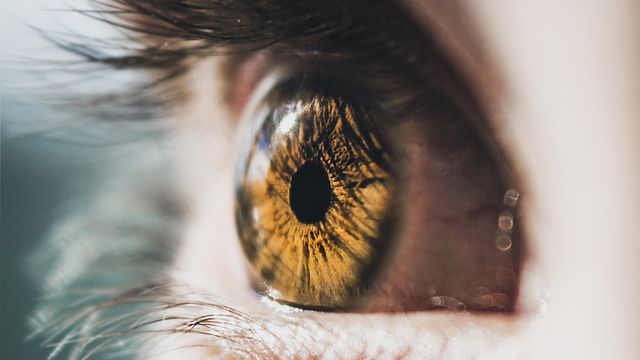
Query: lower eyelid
387, 336
425, 335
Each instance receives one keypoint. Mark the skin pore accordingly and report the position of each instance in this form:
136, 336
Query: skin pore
542, 103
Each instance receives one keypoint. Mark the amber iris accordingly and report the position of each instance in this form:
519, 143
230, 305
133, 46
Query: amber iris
313, 196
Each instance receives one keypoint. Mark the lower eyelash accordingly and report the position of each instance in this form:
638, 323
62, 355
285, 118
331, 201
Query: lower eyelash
157, 320
144, 319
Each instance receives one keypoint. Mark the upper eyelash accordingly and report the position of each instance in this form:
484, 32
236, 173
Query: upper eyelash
168, 33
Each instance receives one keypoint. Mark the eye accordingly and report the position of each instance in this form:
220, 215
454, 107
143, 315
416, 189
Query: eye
343, 203
313, 196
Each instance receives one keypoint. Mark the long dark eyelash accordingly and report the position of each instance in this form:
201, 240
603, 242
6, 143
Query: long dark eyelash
167, 34
176, 29
160, 36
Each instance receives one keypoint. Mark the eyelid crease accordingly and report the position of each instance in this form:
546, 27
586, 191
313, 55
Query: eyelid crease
243, 74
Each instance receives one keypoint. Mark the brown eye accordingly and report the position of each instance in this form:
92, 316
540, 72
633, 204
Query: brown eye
346, 202
313, 198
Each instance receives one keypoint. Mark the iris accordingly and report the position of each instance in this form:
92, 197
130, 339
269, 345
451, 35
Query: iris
313, 196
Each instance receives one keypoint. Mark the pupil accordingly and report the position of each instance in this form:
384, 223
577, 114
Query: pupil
310, 193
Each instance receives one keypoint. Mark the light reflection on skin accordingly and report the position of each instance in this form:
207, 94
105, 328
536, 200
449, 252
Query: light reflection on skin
565, 95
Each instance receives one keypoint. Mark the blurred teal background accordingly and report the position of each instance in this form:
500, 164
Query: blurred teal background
45, 166
39, 178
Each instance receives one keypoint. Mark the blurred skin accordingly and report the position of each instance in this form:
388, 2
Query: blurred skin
561, 81
572, 112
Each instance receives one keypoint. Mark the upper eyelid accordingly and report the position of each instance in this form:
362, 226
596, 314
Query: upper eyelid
407, 89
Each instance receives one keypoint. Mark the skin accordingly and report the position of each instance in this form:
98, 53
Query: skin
565, 98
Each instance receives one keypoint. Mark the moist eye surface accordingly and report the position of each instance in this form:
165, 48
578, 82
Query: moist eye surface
313, 197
